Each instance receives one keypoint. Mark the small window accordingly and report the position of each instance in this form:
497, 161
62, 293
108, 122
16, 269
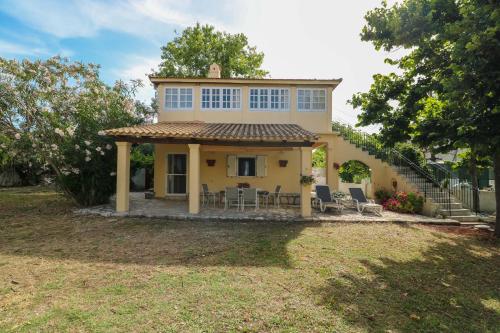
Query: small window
246, 166
311, 100
269, 99
221, 98
178, 98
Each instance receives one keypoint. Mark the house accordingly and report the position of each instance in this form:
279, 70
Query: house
222, 132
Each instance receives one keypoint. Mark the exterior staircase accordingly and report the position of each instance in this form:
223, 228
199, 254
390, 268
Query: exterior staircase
429, 180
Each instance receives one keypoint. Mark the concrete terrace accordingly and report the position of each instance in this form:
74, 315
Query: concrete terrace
178, 210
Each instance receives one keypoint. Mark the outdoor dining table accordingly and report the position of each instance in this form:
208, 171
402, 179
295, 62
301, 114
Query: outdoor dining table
222, 194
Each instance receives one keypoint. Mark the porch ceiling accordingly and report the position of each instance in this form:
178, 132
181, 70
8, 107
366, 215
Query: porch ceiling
273, 135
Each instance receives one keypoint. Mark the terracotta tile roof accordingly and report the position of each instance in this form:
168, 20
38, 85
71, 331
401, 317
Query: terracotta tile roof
220, 131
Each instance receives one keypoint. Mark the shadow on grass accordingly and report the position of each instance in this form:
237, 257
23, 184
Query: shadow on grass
438, 292
41, 224
147, 241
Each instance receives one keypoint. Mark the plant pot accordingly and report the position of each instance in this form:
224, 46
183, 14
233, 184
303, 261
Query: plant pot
283, 163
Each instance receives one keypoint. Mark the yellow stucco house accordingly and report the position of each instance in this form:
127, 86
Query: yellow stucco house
222, 132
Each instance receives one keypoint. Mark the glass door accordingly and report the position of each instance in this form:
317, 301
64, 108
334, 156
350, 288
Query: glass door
176, 173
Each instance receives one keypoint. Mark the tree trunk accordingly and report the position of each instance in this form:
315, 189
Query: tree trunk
474, 181
496, 168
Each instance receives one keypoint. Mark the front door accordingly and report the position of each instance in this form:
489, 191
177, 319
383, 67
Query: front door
176, 173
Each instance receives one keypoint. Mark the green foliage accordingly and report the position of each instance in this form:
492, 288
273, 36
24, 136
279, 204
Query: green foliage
411, 152
319, 158
448, 92
141, 156
307, 179
383, 195
54, 113
353, 172
191, 54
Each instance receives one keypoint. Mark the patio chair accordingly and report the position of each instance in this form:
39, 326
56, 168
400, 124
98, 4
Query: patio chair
232, 197
275, 195
324, 199
207, 195
249, 198
363, 204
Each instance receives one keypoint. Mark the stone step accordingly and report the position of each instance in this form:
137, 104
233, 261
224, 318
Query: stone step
469, 218
451, 205
455, 212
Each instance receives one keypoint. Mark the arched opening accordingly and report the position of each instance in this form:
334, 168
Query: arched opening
354, 173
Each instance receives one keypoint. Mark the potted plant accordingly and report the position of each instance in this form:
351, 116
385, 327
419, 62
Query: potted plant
283, 163
306, 180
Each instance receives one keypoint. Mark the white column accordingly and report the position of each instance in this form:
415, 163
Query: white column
305, 190
194, 178
122, 176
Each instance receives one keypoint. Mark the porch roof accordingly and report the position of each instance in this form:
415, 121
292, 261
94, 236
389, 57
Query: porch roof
191, 131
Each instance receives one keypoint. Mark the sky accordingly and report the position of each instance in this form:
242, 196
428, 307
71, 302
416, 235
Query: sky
300, 38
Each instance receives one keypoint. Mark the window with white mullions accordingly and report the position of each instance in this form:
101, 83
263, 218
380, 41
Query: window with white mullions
178, 98
221, 98
311, 100
269, 99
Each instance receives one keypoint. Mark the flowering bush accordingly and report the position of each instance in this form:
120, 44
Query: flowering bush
53, 115
401, 202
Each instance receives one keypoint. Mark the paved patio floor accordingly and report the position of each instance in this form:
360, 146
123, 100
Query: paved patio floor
177, 210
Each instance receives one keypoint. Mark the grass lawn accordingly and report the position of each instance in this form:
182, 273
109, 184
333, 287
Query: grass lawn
60, 272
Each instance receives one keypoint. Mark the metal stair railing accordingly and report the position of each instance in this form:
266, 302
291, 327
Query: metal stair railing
459, 188
421, 177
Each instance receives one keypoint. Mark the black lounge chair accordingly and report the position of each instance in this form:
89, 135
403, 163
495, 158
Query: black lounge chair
325, 200
363, 204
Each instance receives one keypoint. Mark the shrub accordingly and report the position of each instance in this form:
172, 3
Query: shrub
383, 195
53, 113
403, 202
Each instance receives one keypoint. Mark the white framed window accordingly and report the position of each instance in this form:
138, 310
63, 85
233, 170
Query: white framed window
269, 99
311, 100
177, 98
221, 98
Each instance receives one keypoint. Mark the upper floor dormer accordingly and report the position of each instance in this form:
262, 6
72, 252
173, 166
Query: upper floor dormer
307, 103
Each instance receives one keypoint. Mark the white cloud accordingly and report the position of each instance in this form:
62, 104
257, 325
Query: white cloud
313, 39
73, 18
9, 48
139, 68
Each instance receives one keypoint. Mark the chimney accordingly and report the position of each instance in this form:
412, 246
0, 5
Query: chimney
214, 71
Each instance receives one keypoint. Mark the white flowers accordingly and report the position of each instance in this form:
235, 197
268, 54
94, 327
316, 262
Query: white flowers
76, 171
53, 146
101, 133
17, 136
77, 147
87, 159
108, 146
59, 131
3, 145
112, 174
102, 153
33, 145
87, 142
70, 131
98, 148
87, 152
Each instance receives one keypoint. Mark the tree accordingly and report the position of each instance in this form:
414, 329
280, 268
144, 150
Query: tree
319, 158
53, 112
353, 172
191, 54
447, 95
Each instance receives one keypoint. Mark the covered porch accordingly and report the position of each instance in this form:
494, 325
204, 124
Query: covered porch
219, 155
